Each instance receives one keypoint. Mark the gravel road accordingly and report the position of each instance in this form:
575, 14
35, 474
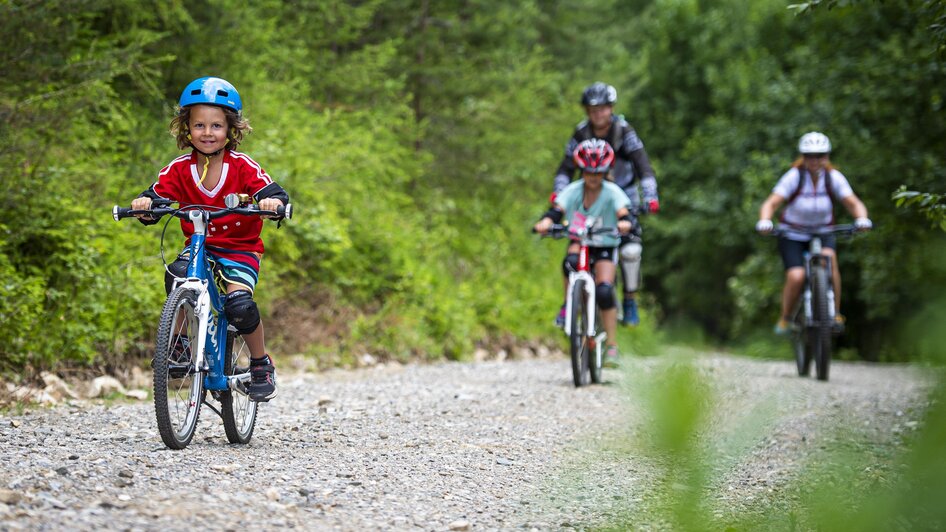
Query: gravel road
452, 446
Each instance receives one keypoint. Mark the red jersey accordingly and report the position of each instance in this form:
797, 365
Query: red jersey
180, 181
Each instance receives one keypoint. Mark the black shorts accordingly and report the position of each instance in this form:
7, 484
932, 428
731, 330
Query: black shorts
793, 251
596, 253
608, 254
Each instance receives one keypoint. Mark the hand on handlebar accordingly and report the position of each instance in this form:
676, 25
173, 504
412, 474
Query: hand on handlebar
142, 204
270, 204
542, 226
863, 224
624, 227
764, 226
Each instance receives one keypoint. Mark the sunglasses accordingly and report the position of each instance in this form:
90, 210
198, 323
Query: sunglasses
815, 155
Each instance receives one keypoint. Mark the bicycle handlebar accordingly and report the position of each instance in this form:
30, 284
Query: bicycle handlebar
840, 229
561, 231
161, 207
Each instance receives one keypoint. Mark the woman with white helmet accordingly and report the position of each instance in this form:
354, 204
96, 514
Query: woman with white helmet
809, 189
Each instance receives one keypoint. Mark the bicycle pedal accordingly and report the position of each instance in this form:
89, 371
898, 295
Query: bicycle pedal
179, 372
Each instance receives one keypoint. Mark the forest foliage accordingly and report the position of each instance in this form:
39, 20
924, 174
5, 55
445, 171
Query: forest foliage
418, 140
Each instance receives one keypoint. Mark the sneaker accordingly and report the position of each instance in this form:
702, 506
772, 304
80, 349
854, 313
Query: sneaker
838, 326
782, 327
262, 386
630, 313
560, 319
610, 357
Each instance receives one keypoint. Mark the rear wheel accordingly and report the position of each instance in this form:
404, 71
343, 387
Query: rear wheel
238, 411
579, 334
178, 386
819, 336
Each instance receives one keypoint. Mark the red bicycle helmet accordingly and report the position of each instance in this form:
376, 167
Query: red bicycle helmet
594, 155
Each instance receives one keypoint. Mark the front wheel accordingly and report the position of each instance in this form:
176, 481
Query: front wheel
178, 385
579, 334
239, 412
800, 343
819, 336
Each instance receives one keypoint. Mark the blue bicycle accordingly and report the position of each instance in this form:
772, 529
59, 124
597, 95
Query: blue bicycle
196, 349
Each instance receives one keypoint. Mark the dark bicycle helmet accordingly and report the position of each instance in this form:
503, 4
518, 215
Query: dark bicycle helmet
599, 93
594, 155
211, 91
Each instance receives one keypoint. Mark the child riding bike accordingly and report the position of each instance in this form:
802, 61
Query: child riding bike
593, 198
210, 122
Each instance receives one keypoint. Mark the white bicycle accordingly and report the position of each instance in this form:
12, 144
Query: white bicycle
582, 316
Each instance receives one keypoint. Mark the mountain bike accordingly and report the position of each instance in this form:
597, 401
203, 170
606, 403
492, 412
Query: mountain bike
197, 350
813, 315
582, 316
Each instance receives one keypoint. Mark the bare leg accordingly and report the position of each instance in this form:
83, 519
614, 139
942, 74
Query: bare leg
604, 273
256, 339
610, 319
794, 280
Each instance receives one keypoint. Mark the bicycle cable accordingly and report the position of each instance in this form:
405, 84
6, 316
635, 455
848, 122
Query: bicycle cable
171, 217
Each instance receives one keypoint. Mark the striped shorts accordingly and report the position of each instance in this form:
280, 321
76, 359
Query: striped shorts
230, 267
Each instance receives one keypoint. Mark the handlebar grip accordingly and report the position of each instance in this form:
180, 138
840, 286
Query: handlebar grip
120, 212
285, 211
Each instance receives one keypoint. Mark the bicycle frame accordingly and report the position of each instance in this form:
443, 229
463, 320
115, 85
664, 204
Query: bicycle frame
211, 332
583, 273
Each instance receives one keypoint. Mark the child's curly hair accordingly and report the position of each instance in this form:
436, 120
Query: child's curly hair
237, 127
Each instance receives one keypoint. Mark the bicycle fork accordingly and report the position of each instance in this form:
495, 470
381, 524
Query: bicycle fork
589, 285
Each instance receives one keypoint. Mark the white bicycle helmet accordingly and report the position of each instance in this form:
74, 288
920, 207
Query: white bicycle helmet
814, 142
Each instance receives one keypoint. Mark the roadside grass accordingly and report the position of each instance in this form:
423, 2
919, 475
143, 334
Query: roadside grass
851, 481
855, 483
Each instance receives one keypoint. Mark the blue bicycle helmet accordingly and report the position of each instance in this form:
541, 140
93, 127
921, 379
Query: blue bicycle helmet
211, 91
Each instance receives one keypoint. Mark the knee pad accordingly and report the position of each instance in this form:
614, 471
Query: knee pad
177, 268
570, 264
241, 311
631, 265
604, 295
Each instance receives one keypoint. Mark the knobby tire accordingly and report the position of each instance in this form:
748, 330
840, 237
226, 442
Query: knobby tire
178, 387
238, 411
819, 336
800, 344
579, 335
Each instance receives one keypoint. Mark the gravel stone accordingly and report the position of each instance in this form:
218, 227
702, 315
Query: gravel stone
491, 445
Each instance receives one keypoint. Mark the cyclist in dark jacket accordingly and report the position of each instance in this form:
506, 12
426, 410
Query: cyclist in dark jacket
631, 170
